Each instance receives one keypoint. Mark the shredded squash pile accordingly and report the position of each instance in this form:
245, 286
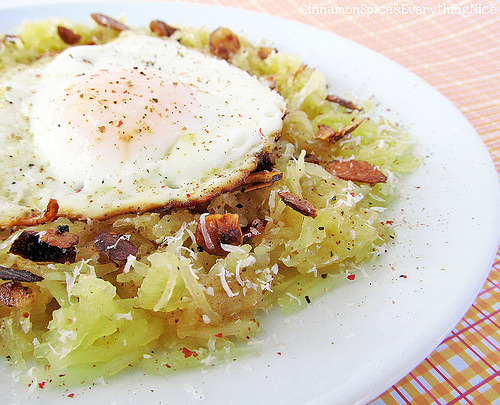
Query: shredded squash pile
173, 306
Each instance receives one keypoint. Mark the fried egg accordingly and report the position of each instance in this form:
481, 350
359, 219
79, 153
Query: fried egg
137, 124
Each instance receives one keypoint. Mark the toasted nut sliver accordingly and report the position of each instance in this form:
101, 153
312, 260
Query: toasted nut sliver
264, 176
343, 102
264, 51
9, 38
255, 186
29, 245
62, 240
108, 22
14, 294
49, 215
298, 204
116, 247
254, 229
68, 36
6, 273
327, 133
219, 229
356, 170
161, 29
224, 43
310, 158
299, 70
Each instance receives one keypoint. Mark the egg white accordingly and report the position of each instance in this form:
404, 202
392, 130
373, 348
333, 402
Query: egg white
227, 118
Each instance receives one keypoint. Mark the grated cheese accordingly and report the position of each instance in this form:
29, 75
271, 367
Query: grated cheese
120, 238
127, 316
314, 270
293, 297
33, 379
193, 271
209, 360
225, 285
232, 248
25, 324
195, 394
67, 334
129, 263
204, 232
250, 260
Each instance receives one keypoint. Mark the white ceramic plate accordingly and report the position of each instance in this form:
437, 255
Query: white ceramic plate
354, 343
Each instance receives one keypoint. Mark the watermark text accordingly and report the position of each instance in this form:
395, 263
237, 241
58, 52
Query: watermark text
399, 9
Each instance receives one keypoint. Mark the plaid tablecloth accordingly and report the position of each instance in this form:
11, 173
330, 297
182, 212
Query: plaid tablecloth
454, 46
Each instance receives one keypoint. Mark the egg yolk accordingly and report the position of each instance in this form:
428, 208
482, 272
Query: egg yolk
116, 119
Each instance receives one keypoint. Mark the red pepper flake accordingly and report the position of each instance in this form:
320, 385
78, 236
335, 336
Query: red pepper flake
120, 123
168, 365
187, 353
188, 195
389, 222
403, 276
279, 353
77, 191
354, 195
260, 130
219, 335
351, 276
41, 384
71, 395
